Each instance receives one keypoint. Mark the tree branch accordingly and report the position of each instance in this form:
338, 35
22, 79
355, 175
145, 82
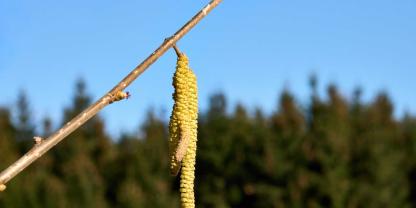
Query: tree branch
43, 145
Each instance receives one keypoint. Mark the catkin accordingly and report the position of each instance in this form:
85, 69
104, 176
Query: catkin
183, 129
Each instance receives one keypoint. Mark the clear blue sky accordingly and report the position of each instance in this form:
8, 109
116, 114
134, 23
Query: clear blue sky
250, 50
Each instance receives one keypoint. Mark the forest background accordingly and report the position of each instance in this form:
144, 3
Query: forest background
269, 136
330, 152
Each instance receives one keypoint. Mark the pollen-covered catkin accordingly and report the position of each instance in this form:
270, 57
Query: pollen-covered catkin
179, 121
183, 129
188, 162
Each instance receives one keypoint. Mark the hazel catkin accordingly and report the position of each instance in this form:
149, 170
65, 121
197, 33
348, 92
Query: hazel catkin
183, 129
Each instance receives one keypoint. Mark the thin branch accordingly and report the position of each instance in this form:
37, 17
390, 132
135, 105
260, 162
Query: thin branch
43, 145
178, 52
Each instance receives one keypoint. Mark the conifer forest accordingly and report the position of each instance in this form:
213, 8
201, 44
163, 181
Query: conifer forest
334, 150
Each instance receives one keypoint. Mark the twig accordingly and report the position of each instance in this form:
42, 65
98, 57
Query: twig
113, 95
178, 52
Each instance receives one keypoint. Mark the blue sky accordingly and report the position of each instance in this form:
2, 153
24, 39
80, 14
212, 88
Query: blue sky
250, 50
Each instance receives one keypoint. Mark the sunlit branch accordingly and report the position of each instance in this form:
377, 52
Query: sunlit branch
43, 145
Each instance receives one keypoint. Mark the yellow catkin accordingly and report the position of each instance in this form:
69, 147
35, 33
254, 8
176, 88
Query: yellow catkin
183, 125
179, 119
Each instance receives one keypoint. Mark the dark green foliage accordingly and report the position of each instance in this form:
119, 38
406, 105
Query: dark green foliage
331, 152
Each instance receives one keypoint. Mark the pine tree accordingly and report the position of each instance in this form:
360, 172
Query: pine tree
80, 159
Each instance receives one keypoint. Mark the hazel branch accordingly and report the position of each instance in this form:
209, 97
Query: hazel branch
115, 94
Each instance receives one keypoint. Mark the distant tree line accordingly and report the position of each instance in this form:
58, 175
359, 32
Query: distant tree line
329, 152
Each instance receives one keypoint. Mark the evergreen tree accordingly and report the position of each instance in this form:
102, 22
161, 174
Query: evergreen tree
214, 143
335, 153
25, 125
81, 158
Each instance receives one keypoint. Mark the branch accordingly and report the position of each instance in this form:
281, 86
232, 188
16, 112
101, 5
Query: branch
178, 52
43, 145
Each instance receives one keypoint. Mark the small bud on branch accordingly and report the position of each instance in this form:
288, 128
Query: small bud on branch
2, 187
38, 140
